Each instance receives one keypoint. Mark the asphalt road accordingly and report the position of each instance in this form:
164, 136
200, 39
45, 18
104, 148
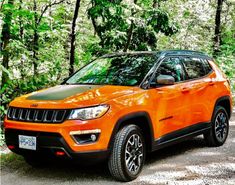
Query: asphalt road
187, 163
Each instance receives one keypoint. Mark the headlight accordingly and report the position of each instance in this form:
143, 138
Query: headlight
89, 113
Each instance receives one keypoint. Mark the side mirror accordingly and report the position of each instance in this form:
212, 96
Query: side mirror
165, 80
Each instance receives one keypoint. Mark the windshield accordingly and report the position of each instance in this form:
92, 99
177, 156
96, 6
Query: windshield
119, 70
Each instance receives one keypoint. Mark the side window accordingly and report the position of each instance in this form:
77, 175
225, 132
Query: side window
194, 67
172, 67
207, 66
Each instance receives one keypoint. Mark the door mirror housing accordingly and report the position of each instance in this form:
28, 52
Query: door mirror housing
165, 80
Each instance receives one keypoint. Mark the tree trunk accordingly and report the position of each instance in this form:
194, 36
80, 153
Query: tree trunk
35, 39
35, 51
129, 36
130, 32
96, 31
73, 38
21, 22
217, 36
6, 35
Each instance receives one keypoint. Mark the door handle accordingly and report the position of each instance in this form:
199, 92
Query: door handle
211, 83
185, 90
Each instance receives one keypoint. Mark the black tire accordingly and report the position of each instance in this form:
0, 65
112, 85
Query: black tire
219, 128
123, 148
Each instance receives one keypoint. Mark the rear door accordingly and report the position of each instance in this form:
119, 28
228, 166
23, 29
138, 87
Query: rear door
198, 88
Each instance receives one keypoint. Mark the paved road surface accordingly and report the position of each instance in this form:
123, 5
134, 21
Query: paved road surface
187, 163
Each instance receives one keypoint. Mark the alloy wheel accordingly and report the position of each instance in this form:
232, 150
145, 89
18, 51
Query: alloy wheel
221, 126
134, 154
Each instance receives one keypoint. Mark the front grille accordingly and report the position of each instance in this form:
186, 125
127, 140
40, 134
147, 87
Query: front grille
37, 115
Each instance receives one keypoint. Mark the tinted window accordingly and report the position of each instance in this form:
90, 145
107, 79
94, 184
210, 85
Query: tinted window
207, 66
119, 70
172, 67
194, 67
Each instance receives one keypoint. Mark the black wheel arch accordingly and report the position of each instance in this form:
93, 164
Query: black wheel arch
142, 120
224, 101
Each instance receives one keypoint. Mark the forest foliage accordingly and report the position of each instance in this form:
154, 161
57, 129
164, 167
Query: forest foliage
43, 41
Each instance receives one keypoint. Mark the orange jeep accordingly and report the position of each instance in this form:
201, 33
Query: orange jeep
121, 106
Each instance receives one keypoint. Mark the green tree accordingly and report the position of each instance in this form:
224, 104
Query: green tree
5, 39
123, 26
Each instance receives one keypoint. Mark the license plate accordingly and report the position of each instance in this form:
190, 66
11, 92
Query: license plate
27, 142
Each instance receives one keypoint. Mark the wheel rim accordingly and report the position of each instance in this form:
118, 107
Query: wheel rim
134, 154
221, 126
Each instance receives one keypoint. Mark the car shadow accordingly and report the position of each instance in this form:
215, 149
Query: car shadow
67, 170
176, 149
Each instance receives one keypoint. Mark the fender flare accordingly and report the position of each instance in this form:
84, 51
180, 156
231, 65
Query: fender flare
222, 98
131, 116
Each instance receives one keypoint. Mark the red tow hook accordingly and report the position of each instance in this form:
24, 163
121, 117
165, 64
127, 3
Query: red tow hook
60, 153
11, 147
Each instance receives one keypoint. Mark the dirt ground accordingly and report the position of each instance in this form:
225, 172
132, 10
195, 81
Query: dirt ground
187, 163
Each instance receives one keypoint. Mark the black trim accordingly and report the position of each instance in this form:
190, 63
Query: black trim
182, 134
61, 92
220, 100
127, 119
163, 119
48, 143
161, 60
37, 115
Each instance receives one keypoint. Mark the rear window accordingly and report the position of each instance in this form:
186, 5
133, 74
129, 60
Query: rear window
194, 67
207, 66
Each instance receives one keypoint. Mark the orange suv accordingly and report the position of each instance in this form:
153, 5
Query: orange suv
121, 106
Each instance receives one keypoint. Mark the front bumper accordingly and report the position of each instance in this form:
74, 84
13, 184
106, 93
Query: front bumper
50, 143
68, 127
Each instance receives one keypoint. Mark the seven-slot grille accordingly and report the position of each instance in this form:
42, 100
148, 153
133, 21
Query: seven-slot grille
37, 115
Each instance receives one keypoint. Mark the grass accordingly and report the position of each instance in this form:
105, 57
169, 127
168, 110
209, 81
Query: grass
10, 158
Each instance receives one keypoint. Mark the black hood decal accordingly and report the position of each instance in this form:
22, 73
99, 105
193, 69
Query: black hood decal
61, 92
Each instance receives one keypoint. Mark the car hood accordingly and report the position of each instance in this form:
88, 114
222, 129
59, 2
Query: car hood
71, 96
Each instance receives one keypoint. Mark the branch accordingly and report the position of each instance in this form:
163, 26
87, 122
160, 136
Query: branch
46, 7
2, 4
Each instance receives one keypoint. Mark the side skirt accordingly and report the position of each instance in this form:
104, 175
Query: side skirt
181, 135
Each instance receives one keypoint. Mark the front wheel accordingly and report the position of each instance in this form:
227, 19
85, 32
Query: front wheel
128, 154
219, 129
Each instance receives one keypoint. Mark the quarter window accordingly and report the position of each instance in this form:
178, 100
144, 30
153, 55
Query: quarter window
194, 67
172, 67
207, 66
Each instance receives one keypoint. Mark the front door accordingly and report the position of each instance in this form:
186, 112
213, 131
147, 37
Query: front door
172, 103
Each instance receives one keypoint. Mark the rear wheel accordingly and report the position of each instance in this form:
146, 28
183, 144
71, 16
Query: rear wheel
220, 128
128, 154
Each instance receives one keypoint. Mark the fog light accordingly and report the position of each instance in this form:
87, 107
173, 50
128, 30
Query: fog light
93, 137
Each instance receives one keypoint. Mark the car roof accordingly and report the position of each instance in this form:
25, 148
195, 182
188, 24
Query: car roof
160, 54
